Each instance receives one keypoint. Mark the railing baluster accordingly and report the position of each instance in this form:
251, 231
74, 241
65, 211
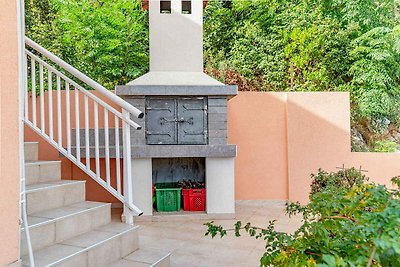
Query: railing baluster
50, 102
82, 77
107, 147
122, 190
33, 91
117, 155
77, 127
126, 131
26, 89
59, 113
68, 114
87, 144
96, 138
41, 88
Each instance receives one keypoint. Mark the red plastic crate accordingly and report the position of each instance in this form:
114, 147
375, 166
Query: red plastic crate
194, 199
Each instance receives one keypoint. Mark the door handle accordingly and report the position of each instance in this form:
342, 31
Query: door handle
164, 120
182, 120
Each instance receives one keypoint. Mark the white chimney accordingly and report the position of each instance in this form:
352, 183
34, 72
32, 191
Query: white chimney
176, 35
176, 45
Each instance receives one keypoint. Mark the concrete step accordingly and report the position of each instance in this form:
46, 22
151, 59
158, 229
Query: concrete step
42, 171
31, 151
145, 258
56, 225
51, 195
97, 248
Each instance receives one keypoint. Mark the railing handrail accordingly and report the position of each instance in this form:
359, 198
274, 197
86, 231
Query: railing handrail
78, 86
95, 85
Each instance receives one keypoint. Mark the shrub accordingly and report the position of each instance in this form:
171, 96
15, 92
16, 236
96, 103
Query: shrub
348, 222
384, 146
346, 178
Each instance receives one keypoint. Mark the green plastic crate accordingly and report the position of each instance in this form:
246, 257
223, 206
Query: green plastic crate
168, 197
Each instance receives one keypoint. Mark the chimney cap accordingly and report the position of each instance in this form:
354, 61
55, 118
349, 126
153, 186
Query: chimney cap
145, 4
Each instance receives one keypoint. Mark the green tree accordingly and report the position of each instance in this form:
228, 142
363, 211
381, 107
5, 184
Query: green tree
305, 45
376, 74
107, 40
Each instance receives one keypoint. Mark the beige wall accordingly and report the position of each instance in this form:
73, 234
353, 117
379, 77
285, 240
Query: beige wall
281, 137
9, 133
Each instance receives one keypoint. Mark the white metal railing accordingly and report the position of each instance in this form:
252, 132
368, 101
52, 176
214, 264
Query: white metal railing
42, 77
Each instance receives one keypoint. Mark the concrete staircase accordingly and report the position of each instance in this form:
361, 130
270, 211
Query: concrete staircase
66, 230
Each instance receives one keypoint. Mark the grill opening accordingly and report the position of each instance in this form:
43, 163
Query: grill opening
179, 184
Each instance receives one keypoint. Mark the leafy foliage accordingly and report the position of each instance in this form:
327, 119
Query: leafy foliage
346, 178
376, 73
107, 40
348, 222
384, 146
334, 45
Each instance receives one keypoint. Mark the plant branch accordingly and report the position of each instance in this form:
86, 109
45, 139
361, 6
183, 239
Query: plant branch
371, 257
339, 217
312, 253
243, 228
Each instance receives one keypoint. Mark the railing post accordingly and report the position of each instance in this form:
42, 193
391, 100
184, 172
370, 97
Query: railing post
22, 115
126, 143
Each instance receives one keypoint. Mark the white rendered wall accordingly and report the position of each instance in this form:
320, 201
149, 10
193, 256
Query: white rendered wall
176, 39
220, 184
142, 185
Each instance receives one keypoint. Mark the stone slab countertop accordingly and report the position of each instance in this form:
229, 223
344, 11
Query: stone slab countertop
167, 151
177, 90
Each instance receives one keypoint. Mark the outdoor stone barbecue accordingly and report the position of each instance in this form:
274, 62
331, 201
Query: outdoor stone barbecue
185, 120
180, 121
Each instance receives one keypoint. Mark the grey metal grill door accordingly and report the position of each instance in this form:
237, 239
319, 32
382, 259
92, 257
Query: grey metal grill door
192, 121
161, 121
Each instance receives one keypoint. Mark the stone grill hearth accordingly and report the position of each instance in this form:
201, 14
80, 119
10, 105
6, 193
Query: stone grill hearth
185, 109
213, 142
183, 122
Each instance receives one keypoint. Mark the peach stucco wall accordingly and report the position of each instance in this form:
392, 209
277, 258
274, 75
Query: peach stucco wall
9, 133
281, 138
284, 137
257, 124
319, 137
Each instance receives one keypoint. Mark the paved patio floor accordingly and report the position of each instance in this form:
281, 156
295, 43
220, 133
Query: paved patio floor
190, 248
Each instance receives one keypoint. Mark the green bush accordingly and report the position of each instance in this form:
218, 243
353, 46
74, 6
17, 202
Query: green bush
384, 146
346, 178
376, 75
348, 222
